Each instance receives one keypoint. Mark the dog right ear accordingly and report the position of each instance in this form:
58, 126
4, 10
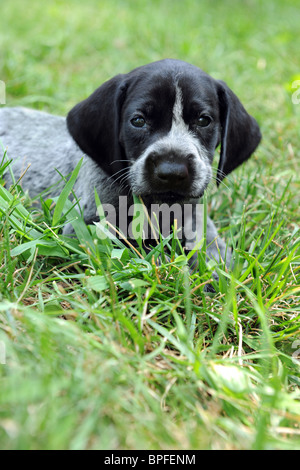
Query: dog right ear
94, 124
240, 132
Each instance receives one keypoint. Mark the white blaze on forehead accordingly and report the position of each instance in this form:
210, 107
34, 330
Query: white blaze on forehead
178, 109
180, 138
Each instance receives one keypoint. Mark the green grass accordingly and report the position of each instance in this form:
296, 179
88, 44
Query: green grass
105, 348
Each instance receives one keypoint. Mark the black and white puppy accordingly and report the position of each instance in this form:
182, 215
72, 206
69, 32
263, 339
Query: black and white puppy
152, 132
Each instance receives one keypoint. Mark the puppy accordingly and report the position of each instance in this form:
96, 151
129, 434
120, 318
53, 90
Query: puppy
151, 133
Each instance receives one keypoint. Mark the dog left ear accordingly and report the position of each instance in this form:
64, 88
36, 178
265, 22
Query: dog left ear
94, 125
240, 133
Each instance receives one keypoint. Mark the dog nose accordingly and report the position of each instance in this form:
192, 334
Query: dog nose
172, 172
169, 171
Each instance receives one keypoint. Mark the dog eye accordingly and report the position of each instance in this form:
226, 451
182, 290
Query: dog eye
138, 121
203, 121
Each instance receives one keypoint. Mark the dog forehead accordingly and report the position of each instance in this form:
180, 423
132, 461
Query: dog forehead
151, 89
198, 88
158, 84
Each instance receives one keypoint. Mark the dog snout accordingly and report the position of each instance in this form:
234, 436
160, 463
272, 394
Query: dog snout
170, 171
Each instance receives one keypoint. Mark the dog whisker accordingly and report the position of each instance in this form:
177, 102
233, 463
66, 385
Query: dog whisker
222, 173
121, 181
123, 170
120, 171
124, 160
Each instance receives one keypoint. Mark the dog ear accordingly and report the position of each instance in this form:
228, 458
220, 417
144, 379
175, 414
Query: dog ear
94, 124
240, 133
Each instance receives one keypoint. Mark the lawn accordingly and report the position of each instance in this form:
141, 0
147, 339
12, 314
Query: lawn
102, 347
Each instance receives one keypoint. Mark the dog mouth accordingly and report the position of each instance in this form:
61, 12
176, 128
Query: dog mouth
169, 197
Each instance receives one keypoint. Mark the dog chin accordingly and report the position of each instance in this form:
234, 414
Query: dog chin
169, 197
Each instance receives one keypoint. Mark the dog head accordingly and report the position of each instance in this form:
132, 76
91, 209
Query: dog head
163, 122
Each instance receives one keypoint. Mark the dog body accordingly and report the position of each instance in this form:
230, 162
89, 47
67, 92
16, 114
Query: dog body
152, 132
